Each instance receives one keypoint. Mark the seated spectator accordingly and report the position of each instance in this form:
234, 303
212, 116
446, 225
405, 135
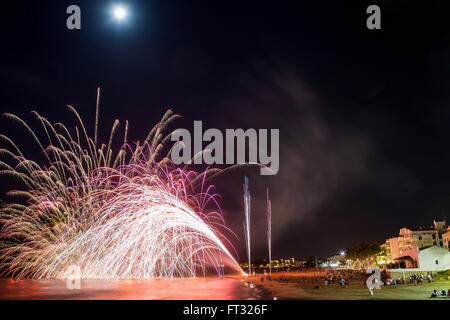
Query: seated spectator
434, 294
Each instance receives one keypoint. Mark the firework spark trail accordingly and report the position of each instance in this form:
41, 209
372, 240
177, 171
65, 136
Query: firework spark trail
141, 231
247, 223
269, 230
129, 214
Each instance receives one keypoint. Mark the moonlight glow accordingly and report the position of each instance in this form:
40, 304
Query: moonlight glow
119, 12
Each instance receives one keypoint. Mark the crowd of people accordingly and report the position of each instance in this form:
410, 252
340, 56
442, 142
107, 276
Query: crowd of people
419, 278
333, 277
443, 293
329, 277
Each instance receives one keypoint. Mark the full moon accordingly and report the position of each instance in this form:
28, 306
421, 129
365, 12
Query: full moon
119, 12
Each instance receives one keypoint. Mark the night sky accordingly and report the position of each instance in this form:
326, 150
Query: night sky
364, 115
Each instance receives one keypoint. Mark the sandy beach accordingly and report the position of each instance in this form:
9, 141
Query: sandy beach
300, 285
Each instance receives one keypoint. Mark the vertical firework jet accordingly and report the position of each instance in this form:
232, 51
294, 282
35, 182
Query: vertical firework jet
247, 223
269, 230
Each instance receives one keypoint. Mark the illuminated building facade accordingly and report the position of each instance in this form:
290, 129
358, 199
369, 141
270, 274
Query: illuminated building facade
410, 241
446, 238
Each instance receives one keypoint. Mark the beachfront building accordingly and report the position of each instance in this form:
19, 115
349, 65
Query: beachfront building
434, 259
404, 249
384, 257
417, 238
446, 238
429, 259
